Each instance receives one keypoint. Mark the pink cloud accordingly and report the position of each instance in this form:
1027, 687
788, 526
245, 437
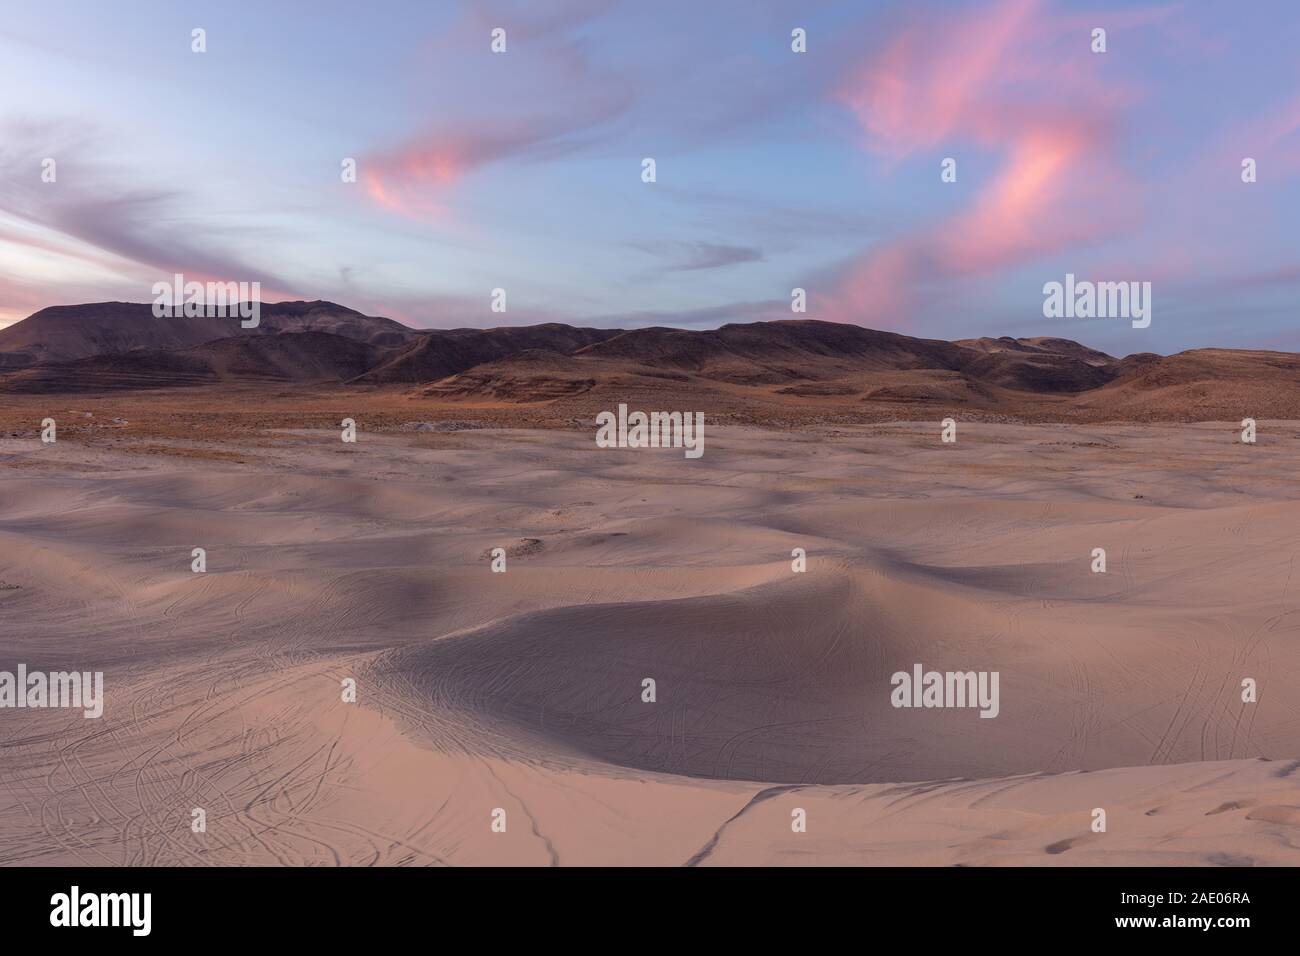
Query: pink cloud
1012, 80
541, 99
416, 178
922, 88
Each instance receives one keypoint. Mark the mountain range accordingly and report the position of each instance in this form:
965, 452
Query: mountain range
113, 346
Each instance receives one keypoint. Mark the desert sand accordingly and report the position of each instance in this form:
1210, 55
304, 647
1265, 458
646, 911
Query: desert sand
522, 691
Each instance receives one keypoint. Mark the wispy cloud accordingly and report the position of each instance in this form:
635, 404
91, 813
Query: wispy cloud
541, 99
683, 256
91, 218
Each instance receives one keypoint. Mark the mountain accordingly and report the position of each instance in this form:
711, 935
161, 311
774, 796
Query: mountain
1201, 385
299, 357
755, 371
533, 375
1041, 345
833, 370
64, 333
1043, 364
439, 353
768, 353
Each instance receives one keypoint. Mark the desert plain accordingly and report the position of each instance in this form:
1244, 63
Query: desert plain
484, 698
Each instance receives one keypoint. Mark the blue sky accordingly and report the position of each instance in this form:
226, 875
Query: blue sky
775, 169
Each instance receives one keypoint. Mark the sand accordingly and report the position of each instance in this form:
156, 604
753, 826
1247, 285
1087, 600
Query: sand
522, 691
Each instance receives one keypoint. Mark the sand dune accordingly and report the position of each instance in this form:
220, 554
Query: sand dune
522, 691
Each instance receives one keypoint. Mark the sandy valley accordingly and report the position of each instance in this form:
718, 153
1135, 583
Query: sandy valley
479, 692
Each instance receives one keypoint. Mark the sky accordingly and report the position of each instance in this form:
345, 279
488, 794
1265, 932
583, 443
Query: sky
774, 169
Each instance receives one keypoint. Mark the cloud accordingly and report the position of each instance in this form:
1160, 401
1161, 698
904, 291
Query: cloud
559, 89
91, 219
994, 80
541, 99
775, 221
416, 177
682, 256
